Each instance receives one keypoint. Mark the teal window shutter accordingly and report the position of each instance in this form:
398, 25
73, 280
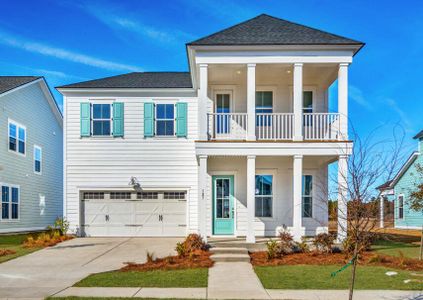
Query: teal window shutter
85, 119
148, 119
181, 119
118, 119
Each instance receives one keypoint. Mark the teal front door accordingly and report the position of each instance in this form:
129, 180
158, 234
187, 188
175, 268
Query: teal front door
223, 205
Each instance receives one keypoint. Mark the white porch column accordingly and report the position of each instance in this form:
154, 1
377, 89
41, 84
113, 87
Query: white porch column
342, 197
297, 173
202, 103
298, 101
343, 100
251, 187
202, 187
381, 199
251, 102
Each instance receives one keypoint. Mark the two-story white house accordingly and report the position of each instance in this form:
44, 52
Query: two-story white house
238, 146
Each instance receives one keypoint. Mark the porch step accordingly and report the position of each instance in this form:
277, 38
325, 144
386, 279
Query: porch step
229, 250
225, 257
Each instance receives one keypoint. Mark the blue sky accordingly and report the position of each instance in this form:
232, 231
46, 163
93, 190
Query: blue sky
71, 41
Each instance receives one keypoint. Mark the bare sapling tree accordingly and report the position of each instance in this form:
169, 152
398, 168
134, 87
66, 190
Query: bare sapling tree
372, 161
416, 199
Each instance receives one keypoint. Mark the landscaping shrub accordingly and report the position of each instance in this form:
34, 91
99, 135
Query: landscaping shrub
4, 252
273, 249
192, 243
364, 242
286, 242
45, 239
61, 225
324, 242
302, 247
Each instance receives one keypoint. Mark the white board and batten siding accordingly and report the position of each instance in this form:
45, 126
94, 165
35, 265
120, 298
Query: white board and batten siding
159, 163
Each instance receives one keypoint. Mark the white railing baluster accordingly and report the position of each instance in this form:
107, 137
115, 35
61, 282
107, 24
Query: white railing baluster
321, 126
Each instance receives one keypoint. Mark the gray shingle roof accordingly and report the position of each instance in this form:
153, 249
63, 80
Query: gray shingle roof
140, 80
8, 83
268, 30
419, 135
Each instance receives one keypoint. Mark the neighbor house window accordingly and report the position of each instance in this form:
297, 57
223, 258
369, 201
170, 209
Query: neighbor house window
17, 137
37, 159
264, 195
9, 202
165, 119
401, 207
101, 119
264, 105
307, 195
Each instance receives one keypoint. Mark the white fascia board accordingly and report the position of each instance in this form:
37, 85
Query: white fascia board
67, 91
52, 102
404, 168
272, 149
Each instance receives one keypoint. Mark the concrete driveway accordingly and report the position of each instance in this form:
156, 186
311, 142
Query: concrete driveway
48, 271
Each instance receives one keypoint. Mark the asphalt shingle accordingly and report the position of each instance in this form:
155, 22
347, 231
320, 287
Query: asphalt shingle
8, 83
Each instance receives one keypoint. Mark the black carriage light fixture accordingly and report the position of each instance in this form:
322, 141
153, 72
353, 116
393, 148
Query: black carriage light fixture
135, 184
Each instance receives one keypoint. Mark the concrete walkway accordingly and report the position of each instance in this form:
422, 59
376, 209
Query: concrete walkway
234, 280
204, 293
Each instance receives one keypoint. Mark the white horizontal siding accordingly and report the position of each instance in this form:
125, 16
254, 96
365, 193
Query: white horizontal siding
156, 162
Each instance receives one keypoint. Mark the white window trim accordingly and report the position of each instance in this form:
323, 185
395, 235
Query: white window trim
222, 92
312, 195
10, 220
264, 88
306, 88
173, 102
274, 190
224, 89
92, 102
403, 214
18, 125
41, 159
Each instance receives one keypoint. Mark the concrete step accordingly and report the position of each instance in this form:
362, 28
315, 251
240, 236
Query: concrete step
229, 250
229, 244
224, 257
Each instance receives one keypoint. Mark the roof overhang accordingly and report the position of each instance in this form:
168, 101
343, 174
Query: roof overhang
110, 92
404, 168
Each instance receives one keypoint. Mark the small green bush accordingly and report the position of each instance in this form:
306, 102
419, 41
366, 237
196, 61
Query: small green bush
324, 242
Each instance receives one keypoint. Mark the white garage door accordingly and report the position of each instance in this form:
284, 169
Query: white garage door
133, 214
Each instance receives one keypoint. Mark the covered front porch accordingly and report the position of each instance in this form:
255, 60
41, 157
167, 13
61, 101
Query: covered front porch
255, 196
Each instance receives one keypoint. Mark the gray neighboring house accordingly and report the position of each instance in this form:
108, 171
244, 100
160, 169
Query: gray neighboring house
31, 154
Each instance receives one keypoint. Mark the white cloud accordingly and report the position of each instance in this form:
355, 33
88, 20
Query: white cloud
47, 50
115, 20
357, 96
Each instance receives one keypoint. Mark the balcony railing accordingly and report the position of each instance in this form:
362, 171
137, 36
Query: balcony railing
321, 126
227, 126
276, 126
273, 126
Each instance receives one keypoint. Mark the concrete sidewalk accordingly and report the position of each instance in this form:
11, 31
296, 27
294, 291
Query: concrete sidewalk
204, 293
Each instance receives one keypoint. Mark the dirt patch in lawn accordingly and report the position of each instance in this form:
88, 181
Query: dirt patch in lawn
197, 259
4, 252
316, 258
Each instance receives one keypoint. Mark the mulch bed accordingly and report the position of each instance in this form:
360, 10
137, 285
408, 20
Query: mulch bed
4, 252
45, 242
316, 258
198, 259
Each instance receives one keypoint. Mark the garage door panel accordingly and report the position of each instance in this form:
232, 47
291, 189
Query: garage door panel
171, 230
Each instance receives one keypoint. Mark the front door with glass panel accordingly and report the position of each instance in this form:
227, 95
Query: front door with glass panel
223, 205
223, 109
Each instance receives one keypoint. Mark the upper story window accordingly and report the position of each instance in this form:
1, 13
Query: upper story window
102, 119
307, 102
37, 159
264, 195
307, 195
9, 202
165, 119
264, 105
17, 137
400, 207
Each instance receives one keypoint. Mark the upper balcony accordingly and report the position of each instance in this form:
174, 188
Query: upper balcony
272, 102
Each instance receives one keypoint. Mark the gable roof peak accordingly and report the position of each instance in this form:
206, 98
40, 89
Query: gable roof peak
265, 29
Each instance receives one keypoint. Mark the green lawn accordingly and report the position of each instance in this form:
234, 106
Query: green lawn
157, 278
14, 242
319, 277
393, 248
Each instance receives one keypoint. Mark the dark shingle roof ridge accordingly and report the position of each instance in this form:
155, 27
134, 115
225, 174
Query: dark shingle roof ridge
418, 135
224, 29
352, 41
313, 28
31, 78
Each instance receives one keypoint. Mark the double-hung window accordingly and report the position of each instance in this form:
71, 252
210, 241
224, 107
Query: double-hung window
17, 137
307, 195
400, 207
37, 159
308, 107
165, 119
101, 119
264, 106
264, 196
9, 202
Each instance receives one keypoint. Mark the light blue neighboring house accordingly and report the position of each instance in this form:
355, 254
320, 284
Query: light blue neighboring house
402, 185
31, 155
